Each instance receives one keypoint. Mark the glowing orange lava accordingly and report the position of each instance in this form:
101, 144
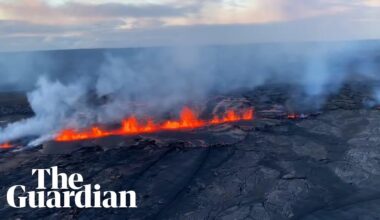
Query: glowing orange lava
293, 116
5, 146
129, 126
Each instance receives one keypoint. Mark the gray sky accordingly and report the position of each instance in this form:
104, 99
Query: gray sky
65, 24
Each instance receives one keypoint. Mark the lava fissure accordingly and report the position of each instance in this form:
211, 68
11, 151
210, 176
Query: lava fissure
132, 126
5, 146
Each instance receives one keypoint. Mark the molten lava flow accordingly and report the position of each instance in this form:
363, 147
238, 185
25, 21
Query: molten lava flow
188, 119
5, 146
129, 126
293, 116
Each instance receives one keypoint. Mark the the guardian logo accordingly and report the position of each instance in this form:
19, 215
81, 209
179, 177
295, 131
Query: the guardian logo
66, 192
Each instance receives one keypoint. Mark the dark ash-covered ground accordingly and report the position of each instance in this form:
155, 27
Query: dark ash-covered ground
326, 166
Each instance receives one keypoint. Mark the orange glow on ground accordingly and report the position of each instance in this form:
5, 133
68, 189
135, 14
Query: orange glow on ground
132, 126
5, 146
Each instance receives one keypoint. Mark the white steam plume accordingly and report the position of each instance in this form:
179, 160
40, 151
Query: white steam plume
158, 80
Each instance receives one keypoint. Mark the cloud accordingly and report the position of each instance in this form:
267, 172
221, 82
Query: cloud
52, 24
40, 12
124, 10
372, 3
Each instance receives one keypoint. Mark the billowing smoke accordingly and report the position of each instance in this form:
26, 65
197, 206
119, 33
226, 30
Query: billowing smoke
89, 87
54, 104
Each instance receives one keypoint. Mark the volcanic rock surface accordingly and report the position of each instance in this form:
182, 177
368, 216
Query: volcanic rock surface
325, 166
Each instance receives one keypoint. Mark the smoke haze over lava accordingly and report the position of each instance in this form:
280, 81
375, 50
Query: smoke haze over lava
77, 89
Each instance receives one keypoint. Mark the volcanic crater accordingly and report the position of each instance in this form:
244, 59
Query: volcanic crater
287, 162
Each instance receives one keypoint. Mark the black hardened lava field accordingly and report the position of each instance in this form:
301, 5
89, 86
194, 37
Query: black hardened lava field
288, 162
